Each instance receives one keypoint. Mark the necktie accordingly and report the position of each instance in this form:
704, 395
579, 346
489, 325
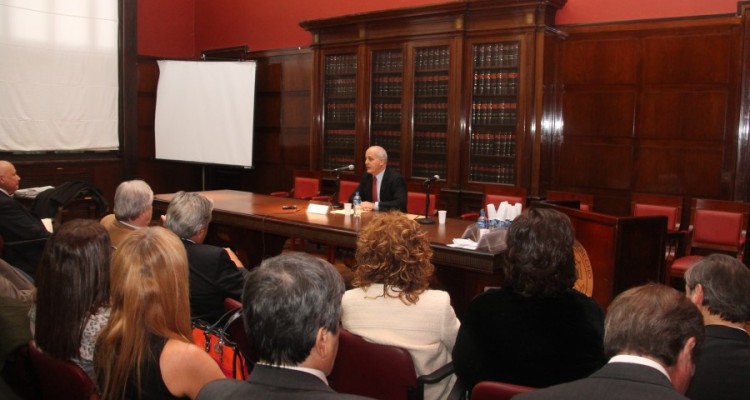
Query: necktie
374, 189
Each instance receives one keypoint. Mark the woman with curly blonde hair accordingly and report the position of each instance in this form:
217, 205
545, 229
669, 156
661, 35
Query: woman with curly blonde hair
392, 304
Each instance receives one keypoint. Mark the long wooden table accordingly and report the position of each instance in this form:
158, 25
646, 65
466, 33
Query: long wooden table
258, 225
623, 251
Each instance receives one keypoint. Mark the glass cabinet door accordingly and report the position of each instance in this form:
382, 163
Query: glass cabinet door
494, 103
386, 103
430, 112
340, 86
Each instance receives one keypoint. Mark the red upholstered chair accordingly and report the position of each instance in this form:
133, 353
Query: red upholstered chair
496, 194
488, 390
715, 226
346, 188
585, 200
378, 371
649, 205
306, 187
415, 199
59, 379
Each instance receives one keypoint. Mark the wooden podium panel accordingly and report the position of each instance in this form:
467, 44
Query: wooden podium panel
623, 251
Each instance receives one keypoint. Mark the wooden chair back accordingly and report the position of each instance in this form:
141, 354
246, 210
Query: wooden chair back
646, 205
585, 200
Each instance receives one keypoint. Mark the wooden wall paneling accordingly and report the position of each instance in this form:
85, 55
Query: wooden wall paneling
742, 177
649, 107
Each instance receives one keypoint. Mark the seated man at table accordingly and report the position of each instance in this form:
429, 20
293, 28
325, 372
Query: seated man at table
291, 306
132, 210
17, 224
215, 273
381, 188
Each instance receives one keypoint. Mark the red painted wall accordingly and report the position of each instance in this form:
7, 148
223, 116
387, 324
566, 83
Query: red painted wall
182, 28
166, 28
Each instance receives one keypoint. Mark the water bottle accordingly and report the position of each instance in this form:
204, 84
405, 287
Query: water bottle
482, 224
357, 204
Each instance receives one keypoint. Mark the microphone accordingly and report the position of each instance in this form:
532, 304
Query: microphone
433, 179
349, 167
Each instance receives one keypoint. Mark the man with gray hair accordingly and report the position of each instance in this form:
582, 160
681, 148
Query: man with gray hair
719, 285
652, 334
215, 273
381, 188
291, 307
132, 210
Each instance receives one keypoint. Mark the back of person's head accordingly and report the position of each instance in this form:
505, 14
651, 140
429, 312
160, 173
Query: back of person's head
653, 321
188, 213
285, 302
131, 199
726, 286
149, 287
72, 283
540, 259
393, 250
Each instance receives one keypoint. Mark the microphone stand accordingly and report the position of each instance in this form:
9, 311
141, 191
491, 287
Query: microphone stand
426, 219
335, 197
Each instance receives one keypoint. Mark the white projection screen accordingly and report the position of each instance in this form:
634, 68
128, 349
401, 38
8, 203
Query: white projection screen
204, 112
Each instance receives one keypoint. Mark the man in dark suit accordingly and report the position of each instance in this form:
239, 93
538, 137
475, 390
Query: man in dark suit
17, 224
390, 192
291, 307
653, 333
215, 273
720, 286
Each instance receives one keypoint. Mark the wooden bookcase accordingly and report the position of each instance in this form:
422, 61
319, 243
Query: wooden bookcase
451, 89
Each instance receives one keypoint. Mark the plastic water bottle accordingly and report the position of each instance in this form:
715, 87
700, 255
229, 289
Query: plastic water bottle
357, 204
482, 220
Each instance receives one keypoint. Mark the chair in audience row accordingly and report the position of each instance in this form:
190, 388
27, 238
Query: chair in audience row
489, 390
585, 200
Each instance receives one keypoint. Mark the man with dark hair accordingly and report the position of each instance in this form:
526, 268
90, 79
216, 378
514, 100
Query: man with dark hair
291, 307
720, 286
18, 225
652, 334
381, 188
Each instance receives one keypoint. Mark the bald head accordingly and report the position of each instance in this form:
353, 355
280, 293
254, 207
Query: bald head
9, 179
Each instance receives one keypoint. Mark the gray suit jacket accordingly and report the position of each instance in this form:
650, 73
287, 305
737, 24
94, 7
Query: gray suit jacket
615, 381
272, 383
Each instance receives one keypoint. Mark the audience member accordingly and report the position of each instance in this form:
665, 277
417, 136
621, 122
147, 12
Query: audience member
132, 210
390, 186
17, 224
652, 333
720, 286
72, 298
536, 330
145, 351
215, 273
15, 284
291, 307
392, 304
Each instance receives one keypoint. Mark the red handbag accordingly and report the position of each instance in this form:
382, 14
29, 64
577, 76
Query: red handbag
214, 339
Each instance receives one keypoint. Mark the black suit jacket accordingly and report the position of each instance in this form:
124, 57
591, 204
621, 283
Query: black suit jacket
615, 381
722, 370
392, 191
272, 383
213, 277
18, 224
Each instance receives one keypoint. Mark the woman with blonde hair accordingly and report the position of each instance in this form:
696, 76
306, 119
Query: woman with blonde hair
145, 351
392, 304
